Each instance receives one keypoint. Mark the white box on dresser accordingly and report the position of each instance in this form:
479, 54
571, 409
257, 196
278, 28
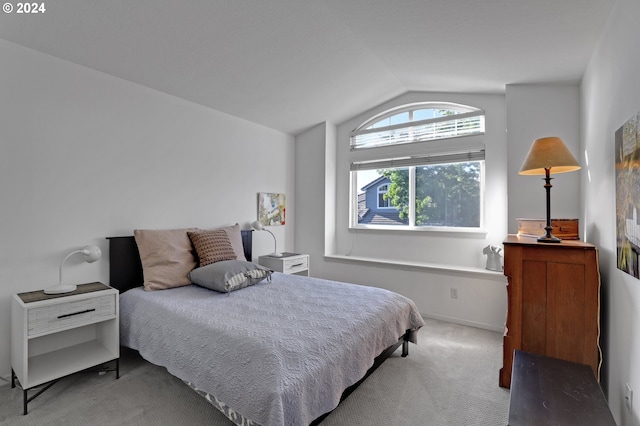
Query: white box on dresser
53, 336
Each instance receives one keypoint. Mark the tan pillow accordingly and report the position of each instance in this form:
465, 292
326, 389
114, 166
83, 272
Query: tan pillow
167, 257
233, 232
212, 246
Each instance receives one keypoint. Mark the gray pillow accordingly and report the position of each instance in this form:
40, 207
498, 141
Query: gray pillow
229, 275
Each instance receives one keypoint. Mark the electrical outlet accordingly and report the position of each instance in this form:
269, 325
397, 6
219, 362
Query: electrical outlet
628, 396
454, 293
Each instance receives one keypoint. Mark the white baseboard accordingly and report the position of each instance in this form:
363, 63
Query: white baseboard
490, 327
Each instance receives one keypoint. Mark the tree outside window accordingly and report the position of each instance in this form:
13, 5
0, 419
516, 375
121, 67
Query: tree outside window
446, 194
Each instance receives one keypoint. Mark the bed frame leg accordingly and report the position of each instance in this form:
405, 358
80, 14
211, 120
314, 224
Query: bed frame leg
405, 348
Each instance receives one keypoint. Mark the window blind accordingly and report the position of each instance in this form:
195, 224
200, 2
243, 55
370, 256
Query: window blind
468, 123
419, 160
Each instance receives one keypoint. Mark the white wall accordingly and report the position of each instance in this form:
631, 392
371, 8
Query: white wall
84, 155
610, 96
481, 297
535, 111
310, 193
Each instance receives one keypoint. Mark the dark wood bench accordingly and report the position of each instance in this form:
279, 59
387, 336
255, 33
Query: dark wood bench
549, 391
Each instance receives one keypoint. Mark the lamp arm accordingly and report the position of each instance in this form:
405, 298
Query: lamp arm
64, 260
275, 242
90, 253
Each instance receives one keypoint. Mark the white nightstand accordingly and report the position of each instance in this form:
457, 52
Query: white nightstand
53, 336
288, 263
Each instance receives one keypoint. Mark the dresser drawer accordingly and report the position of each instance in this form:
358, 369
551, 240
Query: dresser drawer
71, 314
296, 264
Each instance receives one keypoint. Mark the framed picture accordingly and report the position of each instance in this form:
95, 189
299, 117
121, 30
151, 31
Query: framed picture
627, 157
271, 208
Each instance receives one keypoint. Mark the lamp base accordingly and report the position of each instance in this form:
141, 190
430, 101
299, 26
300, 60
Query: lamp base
275, 255
59, 289
548, 238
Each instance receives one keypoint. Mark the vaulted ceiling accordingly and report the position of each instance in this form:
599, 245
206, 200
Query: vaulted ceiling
290, 64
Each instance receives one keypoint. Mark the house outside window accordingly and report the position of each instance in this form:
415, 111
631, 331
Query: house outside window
415, 168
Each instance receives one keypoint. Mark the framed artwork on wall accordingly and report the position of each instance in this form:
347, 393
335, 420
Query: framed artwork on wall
627, 157
271, 208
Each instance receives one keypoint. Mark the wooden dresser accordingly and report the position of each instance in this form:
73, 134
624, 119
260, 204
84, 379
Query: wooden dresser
553, 302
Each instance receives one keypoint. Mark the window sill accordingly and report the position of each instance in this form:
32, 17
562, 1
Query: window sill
459, 232
436, 267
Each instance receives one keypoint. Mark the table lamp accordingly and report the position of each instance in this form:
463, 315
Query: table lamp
90, 254
258, 227
547, 155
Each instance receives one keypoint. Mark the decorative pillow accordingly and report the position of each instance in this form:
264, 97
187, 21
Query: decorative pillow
212, 246
229, 275
167, 257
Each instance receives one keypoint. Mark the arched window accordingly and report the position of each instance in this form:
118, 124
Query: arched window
432, 157
418, 122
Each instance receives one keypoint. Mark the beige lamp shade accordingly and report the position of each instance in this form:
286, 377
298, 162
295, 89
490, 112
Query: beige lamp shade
549, 153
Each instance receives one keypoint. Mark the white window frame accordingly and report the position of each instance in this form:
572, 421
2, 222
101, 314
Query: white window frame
381, 192
415, 153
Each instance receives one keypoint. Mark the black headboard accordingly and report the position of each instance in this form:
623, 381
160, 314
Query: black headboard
125, 269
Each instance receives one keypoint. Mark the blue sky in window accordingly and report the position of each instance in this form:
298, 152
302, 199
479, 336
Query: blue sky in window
365, 177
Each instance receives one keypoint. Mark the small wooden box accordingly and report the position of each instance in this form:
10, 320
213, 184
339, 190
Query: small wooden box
566, 229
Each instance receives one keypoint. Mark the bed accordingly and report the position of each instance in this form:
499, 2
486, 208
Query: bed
282, 351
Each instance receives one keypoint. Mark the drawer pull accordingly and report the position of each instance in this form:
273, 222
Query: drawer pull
296, 265
76, 313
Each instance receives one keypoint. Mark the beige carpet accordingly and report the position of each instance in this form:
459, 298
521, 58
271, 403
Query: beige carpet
450, 378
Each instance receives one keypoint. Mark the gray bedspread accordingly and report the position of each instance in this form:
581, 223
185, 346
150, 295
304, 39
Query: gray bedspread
279, 352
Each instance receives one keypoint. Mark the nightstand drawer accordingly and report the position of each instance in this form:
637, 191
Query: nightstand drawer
295, 264
62, 315
288, 263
